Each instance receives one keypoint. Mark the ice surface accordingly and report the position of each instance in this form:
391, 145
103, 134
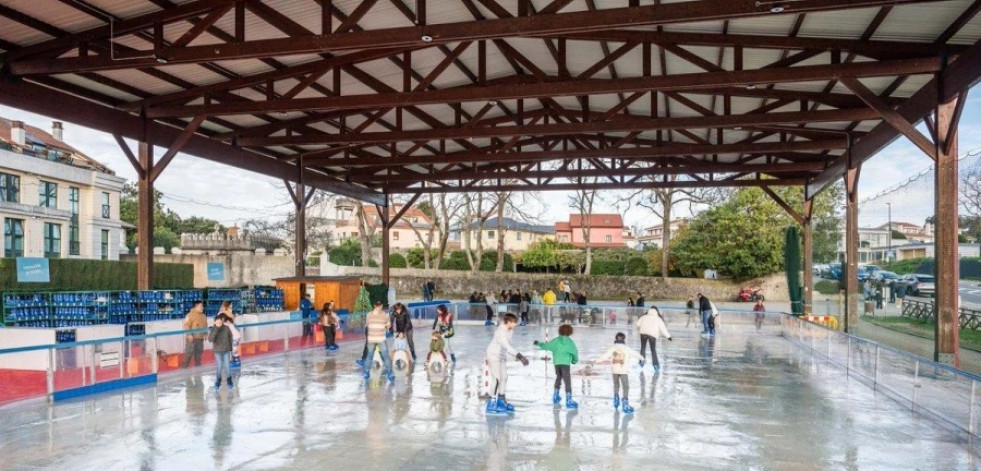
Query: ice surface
743, 401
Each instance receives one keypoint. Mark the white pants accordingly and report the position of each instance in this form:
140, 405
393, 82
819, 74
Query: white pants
499, 376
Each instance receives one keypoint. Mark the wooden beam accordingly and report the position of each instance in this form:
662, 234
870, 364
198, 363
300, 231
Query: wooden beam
891, 116
405, 207
140, 171
946, 210
783, 204
176, 147
560, 88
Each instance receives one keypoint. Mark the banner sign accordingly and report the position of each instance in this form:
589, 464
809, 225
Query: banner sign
216, 272
33, 270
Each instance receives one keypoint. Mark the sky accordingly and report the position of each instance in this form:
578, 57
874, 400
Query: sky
198, 187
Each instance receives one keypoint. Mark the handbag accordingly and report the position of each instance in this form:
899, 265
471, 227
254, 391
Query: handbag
449, 332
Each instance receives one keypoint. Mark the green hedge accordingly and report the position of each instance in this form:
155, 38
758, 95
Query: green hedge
608, 267
970, 268
457, 260
97, 275
489, 262
396, 260
377, 292
826, 287
637, 266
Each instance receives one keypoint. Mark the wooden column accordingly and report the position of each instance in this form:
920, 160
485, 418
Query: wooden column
808, 236
300, 222
849, 269
945, 233
386, 245
144, 218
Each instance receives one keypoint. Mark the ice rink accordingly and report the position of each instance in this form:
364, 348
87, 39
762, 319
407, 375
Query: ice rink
745, 400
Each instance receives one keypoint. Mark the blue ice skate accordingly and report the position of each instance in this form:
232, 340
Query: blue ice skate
569, 403
504, 406
556, 398
627, 409
492, 407
616, 402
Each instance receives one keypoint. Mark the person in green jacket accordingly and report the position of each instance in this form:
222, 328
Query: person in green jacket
564, 354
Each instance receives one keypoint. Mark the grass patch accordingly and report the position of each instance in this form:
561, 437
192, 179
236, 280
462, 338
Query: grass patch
968, 338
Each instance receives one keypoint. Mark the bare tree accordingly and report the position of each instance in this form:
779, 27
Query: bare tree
661, 202
971, 191
477, 215
368, 222
425, 234
582, 200
446, 208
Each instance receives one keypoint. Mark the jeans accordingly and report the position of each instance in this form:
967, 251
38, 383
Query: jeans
705, 322
563, 373
644, 340
194, 348
386, 359
330, 335
221, 362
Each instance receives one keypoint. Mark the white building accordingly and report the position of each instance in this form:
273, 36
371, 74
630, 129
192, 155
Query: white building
651, 236
56, 202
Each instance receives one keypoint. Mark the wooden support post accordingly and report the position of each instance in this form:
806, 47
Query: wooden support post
300, 234
850, 266
386, 244
144, 219
946, 193
808, 236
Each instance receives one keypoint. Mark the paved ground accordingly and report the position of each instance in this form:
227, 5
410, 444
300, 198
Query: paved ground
743, 401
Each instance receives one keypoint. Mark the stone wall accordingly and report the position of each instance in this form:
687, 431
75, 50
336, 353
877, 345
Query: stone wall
241, 268
458, 284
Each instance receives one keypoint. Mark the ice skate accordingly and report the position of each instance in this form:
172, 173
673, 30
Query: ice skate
627, 409
569, 403
556, 398
616, 402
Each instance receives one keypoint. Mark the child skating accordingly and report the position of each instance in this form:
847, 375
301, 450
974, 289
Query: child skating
498, 352
651, 327
444, 325
436, 347
618, 355
564, 355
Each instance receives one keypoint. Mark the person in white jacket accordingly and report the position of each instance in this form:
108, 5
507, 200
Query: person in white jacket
651, 326
498, 352
618, 355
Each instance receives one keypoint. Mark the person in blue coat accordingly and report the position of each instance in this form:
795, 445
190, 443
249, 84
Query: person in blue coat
308, 313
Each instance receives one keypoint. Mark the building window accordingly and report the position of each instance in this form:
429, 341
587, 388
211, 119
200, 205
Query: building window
47, 194
52, 240
106, 212
609, 239
395, 235
490, 234
105, 245
517, 235
74, 245
9, 188
13, 238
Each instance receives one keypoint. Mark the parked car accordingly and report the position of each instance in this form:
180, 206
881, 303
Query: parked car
885, 277
919, 284
834, 271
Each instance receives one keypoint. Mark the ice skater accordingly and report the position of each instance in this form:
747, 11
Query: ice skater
618, 355
400, 352
377, 326
564, 355
444, 324
651, 326
220, 336
498, 352
759, 312
402, 326
328, 324
436, 346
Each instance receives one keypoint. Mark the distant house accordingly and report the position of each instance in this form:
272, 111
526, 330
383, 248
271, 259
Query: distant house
912, 232
651, 236
402, 236
605, 230
517, 235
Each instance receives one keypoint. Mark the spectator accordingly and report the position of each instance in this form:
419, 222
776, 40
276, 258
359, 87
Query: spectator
194, 343
568, 291
705, 307
523, 308
630, 301
549, 300
308, 313
491, 304
431, 287
689, 310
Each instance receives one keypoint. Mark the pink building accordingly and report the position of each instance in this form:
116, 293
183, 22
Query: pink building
605, 230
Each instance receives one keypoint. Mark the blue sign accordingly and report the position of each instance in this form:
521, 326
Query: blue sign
33, 270
216, 272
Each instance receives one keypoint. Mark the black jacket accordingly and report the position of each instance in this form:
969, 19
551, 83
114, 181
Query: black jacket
640, 302
704, 304
401, 323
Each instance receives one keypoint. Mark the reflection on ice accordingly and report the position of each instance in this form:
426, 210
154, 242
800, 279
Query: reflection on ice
741, 400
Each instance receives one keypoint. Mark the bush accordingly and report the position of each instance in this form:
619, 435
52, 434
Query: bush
489, 262
377, 292
637, 266
608, 267
457, 260
416, 257
396, 260
827, 287
347, 254
97, 275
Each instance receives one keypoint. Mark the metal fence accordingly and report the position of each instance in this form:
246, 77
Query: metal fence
64, 370
926, 311
927, 387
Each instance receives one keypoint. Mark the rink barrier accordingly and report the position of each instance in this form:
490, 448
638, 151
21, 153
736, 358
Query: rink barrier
947, 395
67, 370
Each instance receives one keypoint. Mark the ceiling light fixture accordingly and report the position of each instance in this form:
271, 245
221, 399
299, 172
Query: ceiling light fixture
738, 128
777, 9
751, 86
427, 38
160, 59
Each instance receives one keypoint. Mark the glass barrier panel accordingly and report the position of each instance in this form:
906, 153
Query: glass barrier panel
24, 375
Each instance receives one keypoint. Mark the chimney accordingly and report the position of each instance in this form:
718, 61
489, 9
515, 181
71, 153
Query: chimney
17, 133
57, 131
